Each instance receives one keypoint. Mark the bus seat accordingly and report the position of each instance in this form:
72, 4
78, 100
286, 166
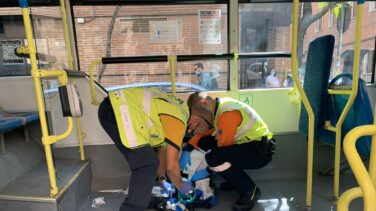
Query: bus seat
11, 121
360, 112
7, 124
316, 79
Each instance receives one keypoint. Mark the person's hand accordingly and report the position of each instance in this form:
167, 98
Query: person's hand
166, 188
185, 160
186, 188
186, 193
200, 175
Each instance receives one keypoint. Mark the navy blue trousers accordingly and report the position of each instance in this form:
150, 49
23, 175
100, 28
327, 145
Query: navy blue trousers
252, 155
142, 161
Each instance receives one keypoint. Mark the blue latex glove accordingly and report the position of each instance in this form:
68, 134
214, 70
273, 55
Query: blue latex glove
200, 175
187, 188
167, 188
180, 206
185, 160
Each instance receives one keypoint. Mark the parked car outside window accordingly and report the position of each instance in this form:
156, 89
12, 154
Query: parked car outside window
163, 86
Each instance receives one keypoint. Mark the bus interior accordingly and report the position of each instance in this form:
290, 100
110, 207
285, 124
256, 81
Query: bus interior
293, 62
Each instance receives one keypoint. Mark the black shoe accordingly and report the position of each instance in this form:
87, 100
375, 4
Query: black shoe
226, 186
247, 201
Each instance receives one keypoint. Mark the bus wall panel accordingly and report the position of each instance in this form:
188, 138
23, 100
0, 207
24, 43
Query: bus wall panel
17, 94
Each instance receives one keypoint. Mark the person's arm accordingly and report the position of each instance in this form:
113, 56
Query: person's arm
196, 138
174, 132
161, 153
227, 126
172, 164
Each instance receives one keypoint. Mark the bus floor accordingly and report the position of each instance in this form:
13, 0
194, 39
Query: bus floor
283, 194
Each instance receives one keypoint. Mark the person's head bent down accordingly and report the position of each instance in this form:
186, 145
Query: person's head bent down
199, 98
201, 119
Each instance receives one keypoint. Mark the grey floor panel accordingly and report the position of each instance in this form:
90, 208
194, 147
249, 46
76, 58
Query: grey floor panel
36, 182
277, 195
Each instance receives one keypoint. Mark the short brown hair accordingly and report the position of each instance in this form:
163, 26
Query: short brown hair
194, 99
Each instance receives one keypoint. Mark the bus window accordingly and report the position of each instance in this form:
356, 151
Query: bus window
264, 28
154, 30
49, 40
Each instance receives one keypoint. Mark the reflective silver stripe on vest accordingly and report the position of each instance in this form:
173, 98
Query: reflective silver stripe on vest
244, 129
146, 104
127, 122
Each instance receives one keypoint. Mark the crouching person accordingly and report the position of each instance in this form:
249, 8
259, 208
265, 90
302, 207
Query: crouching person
243, 141
137, 120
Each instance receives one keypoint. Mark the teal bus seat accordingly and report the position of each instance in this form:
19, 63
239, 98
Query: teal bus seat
316, 79
360, 112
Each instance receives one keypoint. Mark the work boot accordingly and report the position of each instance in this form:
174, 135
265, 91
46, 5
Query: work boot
226, 186
247, 201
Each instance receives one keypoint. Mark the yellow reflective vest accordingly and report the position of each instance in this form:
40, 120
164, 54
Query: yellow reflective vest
137, 113
252, 127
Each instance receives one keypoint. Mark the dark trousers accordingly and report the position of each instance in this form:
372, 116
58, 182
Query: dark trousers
142, 161
252, 155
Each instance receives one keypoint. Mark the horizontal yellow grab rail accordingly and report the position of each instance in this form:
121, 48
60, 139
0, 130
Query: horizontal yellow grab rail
339, 92
329, 126
60, 74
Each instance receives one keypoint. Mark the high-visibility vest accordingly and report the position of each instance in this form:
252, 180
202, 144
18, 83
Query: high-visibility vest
252, 127
137, 113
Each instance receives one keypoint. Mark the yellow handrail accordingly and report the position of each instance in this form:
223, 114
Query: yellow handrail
172, 63
355, 80
311, 118
347, 197
66, 33
94, 99
37, 74
80, 133
364, 179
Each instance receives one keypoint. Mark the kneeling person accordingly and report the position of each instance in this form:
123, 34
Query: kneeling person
243, 141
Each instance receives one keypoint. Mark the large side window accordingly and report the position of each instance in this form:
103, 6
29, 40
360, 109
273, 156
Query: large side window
151, 30
264, 28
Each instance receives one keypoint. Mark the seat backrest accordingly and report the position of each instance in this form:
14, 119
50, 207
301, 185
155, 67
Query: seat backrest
360, 113
316, 79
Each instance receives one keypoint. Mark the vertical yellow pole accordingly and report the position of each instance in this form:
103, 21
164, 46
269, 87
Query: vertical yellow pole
234, 43
66, 34
38, 91
355, 79
80, 133
172, 62
94, 99
311, 118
